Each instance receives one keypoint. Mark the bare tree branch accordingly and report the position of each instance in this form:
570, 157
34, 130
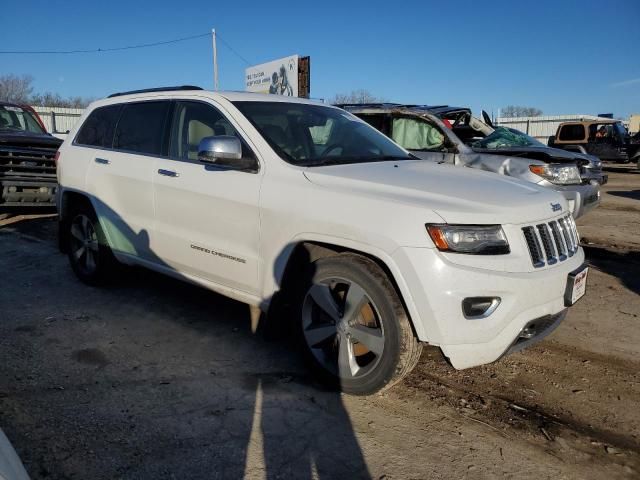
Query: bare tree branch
19, 89
356, 96
14, 88
519, 111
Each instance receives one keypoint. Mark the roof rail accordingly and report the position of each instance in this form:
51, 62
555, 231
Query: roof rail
158, 89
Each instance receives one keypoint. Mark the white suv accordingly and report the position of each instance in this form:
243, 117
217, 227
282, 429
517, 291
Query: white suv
279, 201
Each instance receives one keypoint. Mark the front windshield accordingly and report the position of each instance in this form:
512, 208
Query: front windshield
311, 135
503, 137
19, 119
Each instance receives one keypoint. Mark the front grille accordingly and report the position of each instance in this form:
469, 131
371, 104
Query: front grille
27, 176
552, 242
26, 163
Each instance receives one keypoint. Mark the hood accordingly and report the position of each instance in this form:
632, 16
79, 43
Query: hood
458, 195
546, 154
28, 139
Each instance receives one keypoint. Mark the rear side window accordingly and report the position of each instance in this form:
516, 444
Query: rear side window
98, 128
572, 132
141, 127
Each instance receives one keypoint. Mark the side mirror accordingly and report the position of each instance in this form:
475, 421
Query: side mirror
224, 151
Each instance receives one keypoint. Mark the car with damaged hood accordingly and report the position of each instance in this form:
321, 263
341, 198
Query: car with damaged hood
362, 250
429, 134
27, 159
471, 129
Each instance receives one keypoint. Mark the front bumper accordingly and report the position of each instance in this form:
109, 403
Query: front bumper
27, 191
581, 198
437, 286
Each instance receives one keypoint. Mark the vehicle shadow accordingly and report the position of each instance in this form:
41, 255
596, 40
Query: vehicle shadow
233, 403
624, 265
633, 194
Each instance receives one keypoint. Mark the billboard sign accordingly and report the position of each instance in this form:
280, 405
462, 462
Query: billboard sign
280, 77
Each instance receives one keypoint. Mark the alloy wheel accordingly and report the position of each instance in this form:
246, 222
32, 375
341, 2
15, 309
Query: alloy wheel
84, 244
342, 328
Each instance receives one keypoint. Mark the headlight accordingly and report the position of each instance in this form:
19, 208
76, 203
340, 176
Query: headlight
474, 239
558, 174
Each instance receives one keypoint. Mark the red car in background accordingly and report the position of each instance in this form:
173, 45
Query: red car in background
27, 159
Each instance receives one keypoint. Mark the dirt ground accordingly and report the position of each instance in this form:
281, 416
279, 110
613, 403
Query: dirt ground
153, 378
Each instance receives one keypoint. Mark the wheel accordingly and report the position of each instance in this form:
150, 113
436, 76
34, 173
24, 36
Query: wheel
89, 254
353, 327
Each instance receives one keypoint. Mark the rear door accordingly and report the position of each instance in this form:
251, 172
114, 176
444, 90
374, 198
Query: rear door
207, 217
121, 177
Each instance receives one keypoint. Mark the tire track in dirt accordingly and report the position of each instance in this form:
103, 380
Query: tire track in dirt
541, 394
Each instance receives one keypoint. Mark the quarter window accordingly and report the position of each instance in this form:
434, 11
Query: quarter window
141, 127
572, 132
98, 128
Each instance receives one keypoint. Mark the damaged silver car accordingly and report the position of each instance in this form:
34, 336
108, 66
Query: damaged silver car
437, 133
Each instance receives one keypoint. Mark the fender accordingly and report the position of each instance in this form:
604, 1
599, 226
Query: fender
273, 279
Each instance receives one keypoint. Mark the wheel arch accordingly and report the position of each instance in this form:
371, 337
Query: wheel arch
305, 251
69, 199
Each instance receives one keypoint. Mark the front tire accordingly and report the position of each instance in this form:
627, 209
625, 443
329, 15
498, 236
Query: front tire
353, 327
89, 254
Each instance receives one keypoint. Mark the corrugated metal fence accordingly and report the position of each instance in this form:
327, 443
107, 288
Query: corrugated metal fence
58, 119
541, 127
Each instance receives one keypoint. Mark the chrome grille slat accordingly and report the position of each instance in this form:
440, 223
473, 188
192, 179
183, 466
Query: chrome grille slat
567, 236
534, 246
559, 241
545, 236
552, 242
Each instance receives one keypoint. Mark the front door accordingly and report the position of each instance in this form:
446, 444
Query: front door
207, 218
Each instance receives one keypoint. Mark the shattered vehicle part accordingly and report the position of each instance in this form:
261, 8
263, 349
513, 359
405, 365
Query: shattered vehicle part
431, 133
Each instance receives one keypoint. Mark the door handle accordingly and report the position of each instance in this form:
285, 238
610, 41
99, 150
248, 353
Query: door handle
168, 173
102, 161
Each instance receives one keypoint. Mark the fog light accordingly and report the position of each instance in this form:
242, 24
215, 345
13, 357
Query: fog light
479, 307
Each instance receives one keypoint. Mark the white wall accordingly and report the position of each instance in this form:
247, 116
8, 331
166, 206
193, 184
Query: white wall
64, 118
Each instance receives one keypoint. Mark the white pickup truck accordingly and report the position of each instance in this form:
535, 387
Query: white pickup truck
279, 201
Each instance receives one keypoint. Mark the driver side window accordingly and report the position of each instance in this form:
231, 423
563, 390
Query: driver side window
193, 121
414, 134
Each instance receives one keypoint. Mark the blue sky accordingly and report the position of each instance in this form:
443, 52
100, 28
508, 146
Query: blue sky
560, 56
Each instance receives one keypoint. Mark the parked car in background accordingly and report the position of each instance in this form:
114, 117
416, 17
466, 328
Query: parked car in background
434, 133
606, 139
273, 201
27, 158
471, 130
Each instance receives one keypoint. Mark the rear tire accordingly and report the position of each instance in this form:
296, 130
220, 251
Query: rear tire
353, 328
87, 248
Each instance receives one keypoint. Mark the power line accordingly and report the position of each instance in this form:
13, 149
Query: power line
232, 50
115, 49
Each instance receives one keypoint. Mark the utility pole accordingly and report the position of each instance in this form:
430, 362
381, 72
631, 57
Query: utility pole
215, 60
